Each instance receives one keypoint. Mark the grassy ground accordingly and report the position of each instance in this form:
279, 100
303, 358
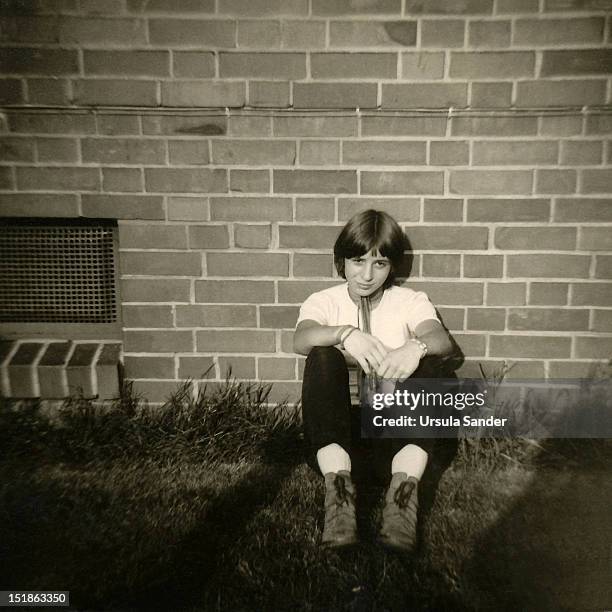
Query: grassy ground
208, 505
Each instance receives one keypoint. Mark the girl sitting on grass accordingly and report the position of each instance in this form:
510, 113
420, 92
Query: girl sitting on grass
386, 330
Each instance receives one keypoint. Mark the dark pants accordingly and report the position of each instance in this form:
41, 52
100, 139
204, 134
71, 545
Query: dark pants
330, 418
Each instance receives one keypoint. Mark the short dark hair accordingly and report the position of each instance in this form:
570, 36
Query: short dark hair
371, 230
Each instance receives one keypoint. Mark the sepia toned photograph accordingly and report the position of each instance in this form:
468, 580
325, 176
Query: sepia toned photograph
306, 305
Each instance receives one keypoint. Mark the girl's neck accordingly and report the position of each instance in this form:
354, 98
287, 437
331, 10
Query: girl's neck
374, 297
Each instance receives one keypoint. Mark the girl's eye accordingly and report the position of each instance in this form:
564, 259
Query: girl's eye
357, 260
382, 264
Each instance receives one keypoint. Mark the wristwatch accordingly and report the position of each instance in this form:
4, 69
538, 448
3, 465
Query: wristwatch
421, 345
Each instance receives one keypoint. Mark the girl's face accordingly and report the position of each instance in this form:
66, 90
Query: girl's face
366, 274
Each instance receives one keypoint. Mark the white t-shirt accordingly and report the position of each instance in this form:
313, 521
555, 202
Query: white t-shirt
397, 314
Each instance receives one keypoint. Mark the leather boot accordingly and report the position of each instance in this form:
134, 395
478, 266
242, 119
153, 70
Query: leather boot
399, 515
340, 528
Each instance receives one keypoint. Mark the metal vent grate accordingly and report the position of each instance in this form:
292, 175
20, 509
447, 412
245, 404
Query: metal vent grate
57, 273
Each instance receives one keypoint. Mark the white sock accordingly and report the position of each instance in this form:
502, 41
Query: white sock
411, 459
333, 458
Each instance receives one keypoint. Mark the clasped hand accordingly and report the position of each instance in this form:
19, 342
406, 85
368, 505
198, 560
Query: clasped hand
372, 354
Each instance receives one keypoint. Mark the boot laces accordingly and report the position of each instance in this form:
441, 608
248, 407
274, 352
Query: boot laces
341, 490
403, 493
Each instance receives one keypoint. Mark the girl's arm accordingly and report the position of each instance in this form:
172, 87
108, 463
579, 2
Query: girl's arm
310, 333
435, 337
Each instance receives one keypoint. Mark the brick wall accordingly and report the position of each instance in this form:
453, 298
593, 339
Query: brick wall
223, 136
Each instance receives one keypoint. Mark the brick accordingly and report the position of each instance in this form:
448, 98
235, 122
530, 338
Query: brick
142, 366
203, 93
122, 207
23, 28
157, 341
115, 92
314, 209
593, 348
250, 181
155, 290
277, 317
79, 371
560, 126
237, 367
557, 63
451, 293
95, 31
196, 367
536, 238
247, 264
244, 127
449, 153
335, 95
307, 236
426, 95
596, 181
591, 294
253, 152
494, 126
517, 6
185, 180
353, 65
251, 209
602, 321
295, 292
137, 236
491, 95
501, 182
113, 125
445, 7
216, 316
452, 318
93, 7
506, 294
546, 347
188, 152
260, 8
356, 34
560, 93
514, 152
380, 152
303, 34
483, 266
400, 183
189, 126
48, 91
58, 178
573, 369
14, 148
135, 63
319, 153
348, 7
179, 6
239, 291
269, 94
123, 151
308, 264
441, 265
401, 209
193, 64
156, 391
489, 34
575, 5
315, 126
264, 65
548, 319
315, 181
471, 344
595, 239
439, 237
57, 149
25, 60
583, 209
581, 152
551, 266
504, 64
259, 34
555, 181
486, 319
161, 263
6, 178
548, 294
38, 205
208, 236
52, 123
565, 32
192, 33
189, 209
276, 368
603, 267
422, 66
253, 236
287, 347
444, 33
146, 316
122, 179
51, 370
599, 124
446, 210
242, 341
